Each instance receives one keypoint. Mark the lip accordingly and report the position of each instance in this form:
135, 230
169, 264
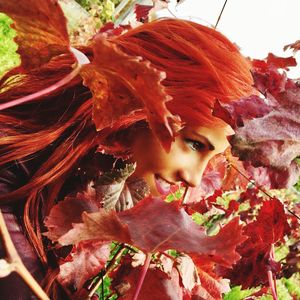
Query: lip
163, 186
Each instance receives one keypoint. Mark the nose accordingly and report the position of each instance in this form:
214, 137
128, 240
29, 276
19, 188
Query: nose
192, 175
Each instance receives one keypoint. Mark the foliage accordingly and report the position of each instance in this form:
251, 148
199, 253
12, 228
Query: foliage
8, 56
161, 243
100, 10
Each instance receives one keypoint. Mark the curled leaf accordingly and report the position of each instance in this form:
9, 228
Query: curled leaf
41, 30
136, 85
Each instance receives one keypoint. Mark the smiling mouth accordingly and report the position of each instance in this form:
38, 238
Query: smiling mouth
162, 186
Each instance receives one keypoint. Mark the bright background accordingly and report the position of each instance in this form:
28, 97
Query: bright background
256, 26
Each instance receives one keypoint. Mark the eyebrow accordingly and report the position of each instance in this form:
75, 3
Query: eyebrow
211, 147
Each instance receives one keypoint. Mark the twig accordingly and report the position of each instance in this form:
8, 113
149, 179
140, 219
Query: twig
262, 190
15, 264
108, 269
220, 15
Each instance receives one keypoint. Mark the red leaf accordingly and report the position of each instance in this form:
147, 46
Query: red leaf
236, 113
281, 62
85, 261
109, 29
142, 11
272, 138
41, 30
67, 212
144, 227
256, 261
129, 77
211, 285
157, 283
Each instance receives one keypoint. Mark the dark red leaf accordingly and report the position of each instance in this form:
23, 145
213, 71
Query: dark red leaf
142, 11
281, 62
269, 228
268, 134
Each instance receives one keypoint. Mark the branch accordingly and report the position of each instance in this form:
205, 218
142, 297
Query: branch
13, 262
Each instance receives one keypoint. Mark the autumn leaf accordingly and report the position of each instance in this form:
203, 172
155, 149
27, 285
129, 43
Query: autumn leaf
158, 284
211, 286
41, 30
84, 262
256, 260
267, 131
144, 227
117, 192
67, 212
129, 77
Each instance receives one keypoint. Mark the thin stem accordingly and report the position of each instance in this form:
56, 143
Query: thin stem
272, 285
13, 258
220, 15
262, 190
142, 276
43, 92
272, 280
110, 266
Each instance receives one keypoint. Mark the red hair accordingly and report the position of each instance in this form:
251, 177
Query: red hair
58, 131
201, 64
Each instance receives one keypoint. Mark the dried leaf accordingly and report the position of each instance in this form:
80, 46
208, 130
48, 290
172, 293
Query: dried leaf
118, 193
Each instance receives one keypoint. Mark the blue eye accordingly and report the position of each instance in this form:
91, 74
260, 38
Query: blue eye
195, 145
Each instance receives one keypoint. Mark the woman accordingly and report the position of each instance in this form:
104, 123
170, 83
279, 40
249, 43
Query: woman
57, 146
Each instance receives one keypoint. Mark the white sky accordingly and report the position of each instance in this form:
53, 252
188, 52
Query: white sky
256, 26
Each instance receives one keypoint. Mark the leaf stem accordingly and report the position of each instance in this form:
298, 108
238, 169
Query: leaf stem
142, 276
272, 281
15, 262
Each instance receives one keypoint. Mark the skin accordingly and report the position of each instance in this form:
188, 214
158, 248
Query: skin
185, 163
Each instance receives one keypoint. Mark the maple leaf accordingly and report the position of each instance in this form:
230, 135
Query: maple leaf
269, 228
85, 261
41, 30
144, 227
267, 132
129, 77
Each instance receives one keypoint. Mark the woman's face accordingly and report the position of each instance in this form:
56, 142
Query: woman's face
186, 161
